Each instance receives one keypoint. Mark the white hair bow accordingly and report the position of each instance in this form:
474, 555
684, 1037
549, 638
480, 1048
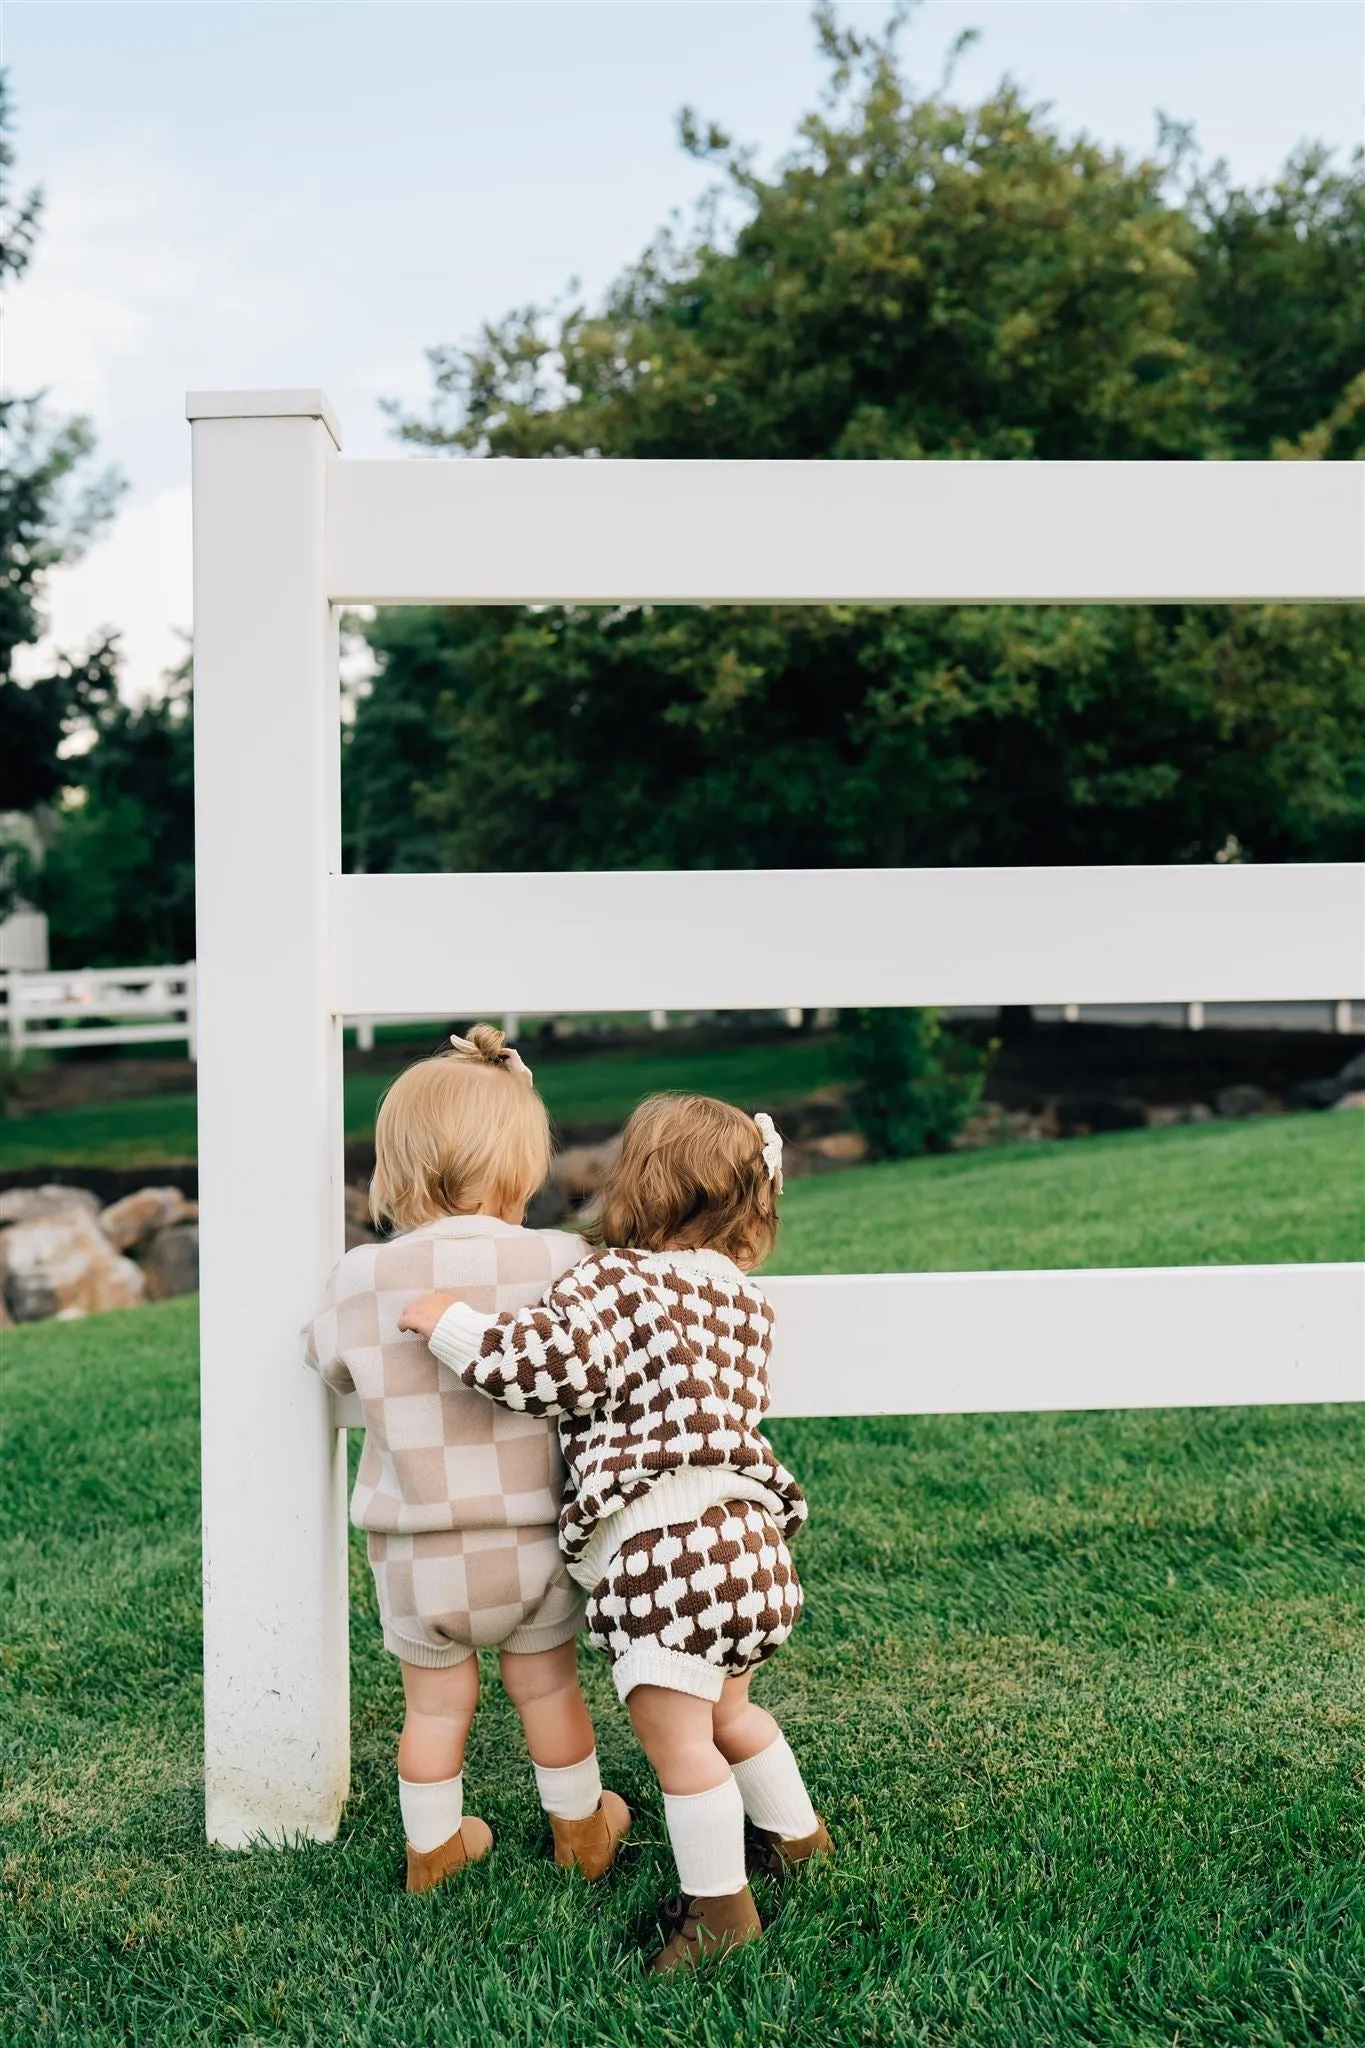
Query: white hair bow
772, 1148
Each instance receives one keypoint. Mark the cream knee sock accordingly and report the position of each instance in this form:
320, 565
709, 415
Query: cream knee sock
706, 1831
773, 1792
431, 1813
573, 1792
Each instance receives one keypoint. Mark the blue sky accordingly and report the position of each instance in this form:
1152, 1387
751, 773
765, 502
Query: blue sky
277, 194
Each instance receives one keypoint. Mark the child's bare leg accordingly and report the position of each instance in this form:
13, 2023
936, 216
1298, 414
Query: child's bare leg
702, 1805
588, 1824
543, 1687
431, 1752
769, 1780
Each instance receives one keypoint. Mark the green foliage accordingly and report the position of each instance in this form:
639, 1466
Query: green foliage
925, 280
1079, 1695
913, 1084
117, 881
49, 509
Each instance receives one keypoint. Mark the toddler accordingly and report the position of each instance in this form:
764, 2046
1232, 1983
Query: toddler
459, 1500
653, 1354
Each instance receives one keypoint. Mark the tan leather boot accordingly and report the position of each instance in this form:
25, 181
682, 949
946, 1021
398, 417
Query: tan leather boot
470, 1843
701, 1928
778, 1855
590, 1845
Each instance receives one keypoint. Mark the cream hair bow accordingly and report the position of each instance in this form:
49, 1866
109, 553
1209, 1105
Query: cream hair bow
772, 1148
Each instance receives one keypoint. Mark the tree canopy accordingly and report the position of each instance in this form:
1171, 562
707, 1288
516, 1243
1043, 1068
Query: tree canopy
922, 280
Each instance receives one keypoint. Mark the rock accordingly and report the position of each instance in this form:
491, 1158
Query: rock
170, 1264
63, 1264
1313, 1094
548, 1208
580, 1172
129, 1221
359, 1222
1082, 1116
840, 1148
28, 1205
1354, 1099
1246, 1099
1352, 1076
1162, 1115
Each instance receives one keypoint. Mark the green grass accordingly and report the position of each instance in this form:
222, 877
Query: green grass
596, 1088
1268, 1191
1080, 1696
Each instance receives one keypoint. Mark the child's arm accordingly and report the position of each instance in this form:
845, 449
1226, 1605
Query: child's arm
554, 1359
321, 1352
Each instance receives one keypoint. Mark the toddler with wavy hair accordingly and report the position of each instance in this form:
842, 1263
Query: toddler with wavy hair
653, 1356
458, 1502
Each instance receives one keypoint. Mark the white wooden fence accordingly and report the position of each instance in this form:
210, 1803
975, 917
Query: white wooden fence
57, 1010
284, 533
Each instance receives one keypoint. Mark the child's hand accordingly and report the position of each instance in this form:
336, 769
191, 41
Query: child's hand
425, 1313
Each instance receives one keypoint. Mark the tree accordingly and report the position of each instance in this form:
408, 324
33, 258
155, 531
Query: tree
49, 509
919, 279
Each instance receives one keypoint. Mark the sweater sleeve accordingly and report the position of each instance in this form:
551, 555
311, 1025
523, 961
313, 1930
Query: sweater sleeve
554, 1359
322, 1346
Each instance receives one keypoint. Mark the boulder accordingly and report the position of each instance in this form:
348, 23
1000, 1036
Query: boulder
128, 1222
1352, 1076
359, 1223
1313, 1094
1245, 1099
1081, 1116
170, 1264
28, 1205
840, 1148
1162, 1115
579, 1173
62, 1264
1354, 1099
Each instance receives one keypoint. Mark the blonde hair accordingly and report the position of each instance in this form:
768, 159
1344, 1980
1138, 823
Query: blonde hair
690, 1173
465, 1122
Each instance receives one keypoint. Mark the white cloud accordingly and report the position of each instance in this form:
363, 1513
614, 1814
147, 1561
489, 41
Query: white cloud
137, 581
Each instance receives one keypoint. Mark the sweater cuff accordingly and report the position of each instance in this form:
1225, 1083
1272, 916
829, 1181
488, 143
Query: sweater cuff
458, 1337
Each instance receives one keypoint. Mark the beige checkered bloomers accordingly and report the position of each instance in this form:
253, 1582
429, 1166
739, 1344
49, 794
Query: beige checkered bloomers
459, 1498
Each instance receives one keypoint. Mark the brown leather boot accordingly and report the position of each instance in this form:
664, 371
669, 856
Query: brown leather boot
590, 1845
777, 1855
470, 1843
701, 1928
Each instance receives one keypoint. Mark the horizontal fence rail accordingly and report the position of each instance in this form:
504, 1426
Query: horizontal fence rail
771, 939
1140, 1337
51, 1010
874, 532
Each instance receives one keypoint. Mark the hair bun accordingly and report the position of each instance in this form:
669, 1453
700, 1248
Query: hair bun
486, 1043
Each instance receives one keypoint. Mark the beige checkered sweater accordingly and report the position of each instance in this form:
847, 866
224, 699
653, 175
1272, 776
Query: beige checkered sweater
436, 1456
656, 1364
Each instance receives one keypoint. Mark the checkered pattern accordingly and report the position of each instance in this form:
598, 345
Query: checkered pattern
448, 1592
437, 1457
655, 1362
689, 1606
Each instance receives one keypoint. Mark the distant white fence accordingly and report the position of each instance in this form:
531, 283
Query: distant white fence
49, 1010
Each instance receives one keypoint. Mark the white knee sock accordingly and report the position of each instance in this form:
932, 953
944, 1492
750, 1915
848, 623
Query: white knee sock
431, 1813
774, 1794
574, 1791
706, 1831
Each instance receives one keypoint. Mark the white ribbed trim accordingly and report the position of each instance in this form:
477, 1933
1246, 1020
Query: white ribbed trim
570, 1791
774, 1792
706, 1835
682, 1495
431, 1813
701, 1262
651, 1664
458, 1336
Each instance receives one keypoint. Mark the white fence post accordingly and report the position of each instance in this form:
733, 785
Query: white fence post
1341, 1016
14, 982
267, 776
1194, 1016
191, 1011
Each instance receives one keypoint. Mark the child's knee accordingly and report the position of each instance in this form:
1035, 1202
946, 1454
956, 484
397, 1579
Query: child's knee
449, 1693
528, 1676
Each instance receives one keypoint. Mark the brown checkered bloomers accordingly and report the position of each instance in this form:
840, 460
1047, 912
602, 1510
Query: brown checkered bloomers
459, 1498
689, 1606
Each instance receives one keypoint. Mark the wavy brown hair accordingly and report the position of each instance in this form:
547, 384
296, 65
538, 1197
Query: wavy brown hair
690, 1174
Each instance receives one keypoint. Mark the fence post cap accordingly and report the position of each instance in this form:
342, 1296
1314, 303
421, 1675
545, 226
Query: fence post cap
264, 405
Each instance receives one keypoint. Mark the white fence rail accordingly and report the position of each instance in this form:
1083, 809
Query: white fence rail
284, 533
53, 1010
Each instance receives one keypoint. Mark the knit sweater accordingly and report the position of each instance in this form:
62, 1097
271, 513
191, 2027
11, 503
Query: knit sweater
435, 1456
656, 1364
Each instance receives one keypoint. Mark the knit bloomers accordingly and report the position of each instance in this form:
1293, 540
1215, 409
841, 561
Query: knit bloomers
694, 1604
445, 1593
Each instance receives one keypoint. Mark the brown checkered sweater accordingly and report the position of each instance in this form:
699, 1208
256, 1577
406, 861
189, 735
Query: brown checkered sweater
656, 1364
435, 1456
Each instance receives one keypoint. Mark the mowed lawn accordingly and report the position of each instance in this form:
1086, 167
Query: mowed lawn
596, 1088
1080, 1696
